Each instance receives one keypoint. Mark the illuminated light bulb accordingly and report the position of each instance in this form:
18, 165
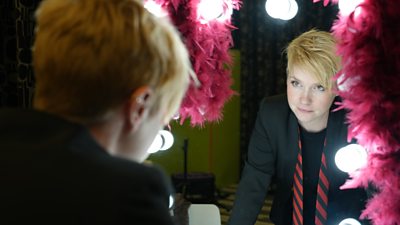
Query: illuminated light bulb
275, 8
201, 110
209, 10
176, 116
350, 158
348, 6
349, 221
171, 201
292, 11
168, 139
163, 141
281, 9
155, 8
226, 15
341, 84
345, 85
357, 12
156, 145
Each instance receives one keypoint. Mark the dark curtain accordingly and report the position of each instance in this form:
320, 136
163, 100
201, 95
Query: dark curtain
16, 75
262, 40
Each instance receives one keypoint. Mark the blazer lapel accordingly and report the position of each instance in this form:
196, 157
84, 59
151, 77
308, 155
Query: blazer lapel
292, 145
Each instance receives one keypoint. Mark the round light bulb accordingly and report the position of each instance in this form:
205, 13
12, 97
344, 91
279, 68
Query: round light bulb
348, 6
348, 83
281, 9
292, 11
209, 10
171, 201
349, 221
168, 139
351, 157
155, 8
176, 116
156, 145
275, 8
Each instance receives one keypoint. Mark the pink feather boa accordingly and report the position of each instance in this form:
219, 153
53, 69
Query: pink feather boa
208, 45
370, 49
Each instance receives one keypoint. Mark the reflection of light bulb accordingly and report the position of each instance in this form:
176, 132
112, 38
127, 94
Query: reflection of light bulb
275, 8
176, 116
171, 201
168, 139
350, 158
347, 6
209, 10
345, 85
292, 11
349, 221
281, 9
163, 141
226, 15
156, 145
155, 8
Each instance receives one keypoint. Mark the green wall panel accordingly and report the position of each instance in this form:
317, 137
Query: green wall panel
213, 148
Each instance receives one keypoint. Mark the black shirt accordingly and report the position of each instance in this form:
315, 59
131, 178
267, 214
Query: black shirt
312, 147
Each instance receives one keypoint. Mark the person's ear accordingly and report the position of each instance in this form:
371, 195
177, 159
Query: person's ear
138, 106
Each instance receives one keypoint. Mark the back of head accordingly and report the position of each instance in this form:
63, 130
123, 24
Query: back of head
315, 52
89, 56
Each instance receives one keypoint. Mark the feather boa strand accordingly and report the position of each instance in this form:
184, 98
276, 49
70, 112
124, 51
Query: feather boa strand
208, 45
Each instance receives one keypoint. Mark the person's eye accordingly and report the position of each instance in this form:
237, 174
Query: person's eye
295, 83
320, 88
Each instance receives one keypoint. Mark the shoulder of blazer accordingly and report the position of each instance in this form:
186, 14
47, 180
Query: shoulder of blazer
337, 116
277, 121
275, 110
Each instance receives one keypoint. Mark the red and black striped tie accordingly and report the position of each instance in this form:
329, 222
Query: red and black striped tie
298, 190
322, 191
322, 196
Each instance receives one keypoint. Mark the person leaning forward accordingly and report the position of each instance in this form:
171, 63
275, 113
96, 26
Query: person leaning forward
109, 75
295, 139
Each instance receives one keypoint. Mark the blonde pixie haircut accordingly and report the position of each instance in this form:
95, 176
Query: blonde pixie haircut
314, 51
90, 55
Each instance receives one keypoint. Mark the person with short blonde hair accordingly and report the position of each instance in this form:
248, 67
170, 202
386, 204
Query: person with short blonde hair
315, 51
294, 141
109, 75
104, 45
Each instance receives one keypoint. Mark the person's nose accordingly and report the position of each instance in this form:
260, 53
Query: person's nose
305, 97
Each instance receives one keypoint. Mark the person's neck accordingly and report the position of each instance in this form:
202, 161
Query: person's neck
314, 127
311, 134
107, 133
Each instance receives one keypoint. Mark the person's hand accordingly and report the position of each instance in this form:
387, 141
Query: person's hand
180, 210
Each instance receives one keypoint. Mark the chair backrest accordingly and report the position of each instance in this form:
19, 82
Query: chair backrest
204, 214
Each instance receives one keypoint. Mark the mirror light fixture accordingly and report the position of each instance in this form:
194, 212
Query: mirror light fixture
171, 201
348, 6
154, 8
349, 221
168, 139
163, 141
351, 157
209, 10
281, 9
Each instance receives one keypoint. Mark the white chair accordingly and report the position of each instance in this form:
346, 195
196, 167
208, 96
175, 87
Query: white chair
204, 214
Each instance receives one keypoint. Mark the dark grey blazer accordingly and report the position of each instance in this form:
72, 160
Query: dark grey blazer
272, 153
53, 172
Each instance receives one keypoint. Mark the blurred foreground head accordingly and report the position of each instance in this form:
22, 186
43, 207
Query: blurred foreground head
109, 65
90, 56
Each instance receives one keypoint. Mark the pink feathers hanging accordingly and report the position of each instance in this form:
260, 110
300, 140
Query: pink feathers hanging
370, 49
208, 43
